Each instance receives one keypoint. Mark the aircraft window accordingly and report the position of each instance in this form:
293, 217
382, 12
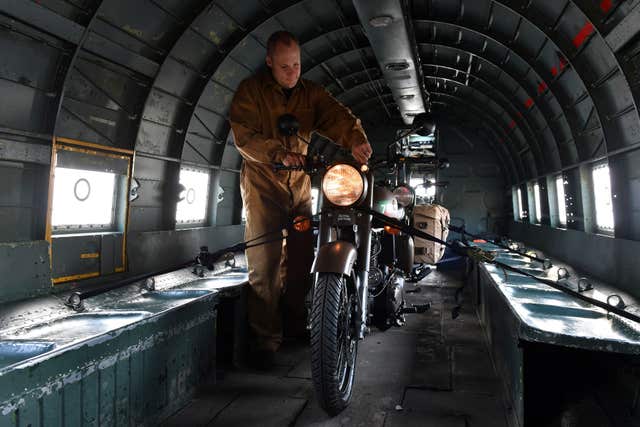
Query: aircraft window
520, 210
314, 200
562, 208
423, 191
192, 206
83, 199
536, 198
602, 193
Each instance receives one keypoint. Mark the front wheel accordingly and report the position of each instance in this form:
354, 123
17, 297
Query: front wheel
334, 345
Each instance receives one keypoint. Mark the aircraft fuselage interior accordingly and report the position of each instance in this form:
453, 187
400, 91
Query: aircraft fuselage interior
320, 212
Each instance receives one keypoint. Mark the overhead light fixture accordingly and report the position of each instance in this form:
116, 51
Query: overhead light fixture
407, 96
397, 66
381, 21
400, 77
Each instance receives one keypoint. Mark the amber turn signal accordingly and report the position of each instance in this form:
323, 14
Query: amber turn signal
391, 230
301, 224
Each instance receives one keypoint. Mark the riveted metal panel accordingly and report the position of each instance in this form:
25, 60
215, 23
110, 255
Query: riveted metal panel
229, 208
123, 88
66, 252
201, 150
146, 218
24, 270
178, 79
150, 169
166, 109
104, 47
22, 208
78, 160
142, 20
216, 123
250, 53
157, 139
229, 75
231, 157
529, 40
216, 97
126, 37
195, 50
138, 376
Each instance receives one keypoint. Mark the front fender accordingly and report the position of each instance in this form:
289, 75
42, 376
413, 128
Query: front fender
335, 257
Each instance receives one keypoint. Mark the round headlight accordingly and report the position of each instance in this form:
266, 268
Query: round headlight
343, 185
404, 195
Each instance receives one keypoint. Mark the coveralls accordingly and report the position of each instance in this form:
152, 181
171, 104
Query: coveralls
279, 272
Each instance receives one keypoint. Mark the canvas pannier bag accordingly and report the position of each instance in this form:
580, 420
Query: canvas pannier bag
433, 220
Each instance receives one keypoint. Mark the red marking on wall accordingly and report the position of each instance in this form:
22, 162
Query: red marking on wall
582, 35
512, 124
563, 61
529, 102
542, 87
606, 5
554, 71
518, 114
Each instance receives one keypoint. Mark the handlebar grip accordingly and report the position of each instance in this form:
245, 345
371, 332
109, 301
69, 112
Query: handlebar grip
281, 167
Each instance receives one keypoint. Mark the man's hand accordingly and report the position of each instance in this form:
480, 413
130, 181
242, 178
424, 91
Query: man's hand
293, 159
362, 152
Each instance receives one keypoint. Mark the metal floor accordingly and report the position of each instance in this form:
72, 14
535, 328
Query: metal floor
434, 371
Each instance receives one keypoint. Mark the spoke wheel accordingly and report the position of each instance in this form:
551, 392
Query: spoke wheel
334, 345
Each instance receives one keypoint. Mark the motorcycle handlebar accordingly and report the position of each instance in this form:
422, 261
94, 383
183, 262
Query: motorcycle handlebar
281, 167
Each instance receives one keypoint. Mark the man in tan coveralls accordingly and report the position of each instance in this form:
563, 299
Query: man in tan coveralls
279, 273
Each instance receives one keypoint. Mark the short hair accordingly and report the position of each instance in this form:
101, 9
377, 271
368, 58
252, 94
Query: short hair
284, 37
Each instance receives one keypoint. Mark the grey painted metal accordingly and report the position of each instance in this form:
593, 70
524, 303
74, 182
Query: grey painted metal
506, 108
152, 251
393, 51
501, 328
459, 102
489, 89
476, 180
618, 116
553, 317
64, 82
467, 120
24, 270
625, 30
468, 42
24, 152
44, 19
140, 373
608, 259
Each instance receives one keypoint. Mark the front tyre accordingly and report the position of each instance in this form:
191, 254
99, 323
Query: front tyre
334, 345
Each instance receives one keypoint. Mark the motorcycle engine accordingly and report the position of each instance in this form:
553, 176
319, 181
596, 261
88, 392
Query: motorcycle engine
376, 276
386, 293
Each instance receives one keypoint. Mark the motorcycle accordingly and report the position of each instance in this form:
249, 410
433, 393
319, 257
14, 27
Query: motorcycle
359, 269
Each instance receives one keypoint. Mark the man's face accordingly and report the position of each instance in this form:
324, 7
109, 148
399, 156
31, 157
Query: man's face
285, 64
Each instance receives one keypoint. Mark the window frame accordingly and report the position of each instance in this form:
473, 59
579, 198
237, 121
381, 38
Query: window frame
120, 218
537, 203
182, 224
561, 223
598, 228
112, 226
120, 204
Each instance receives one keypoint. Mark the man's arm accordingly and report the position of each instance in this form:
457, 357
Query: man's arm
244, 118
335, 121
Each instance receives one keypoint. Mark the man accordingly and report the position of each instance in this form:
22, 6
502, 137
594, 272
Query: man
279, 272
